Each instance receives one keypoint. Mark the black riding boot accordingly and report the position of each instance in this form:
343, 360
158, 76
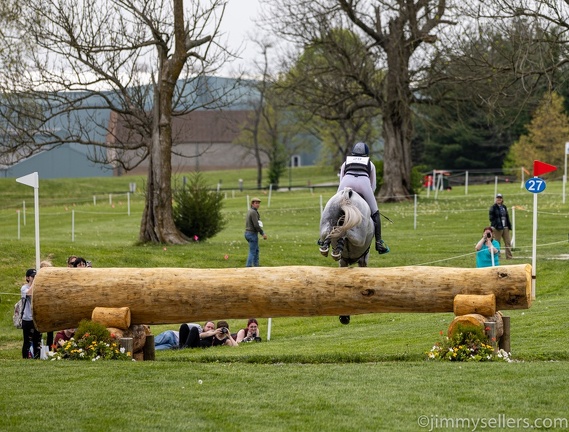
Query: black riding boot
380, 245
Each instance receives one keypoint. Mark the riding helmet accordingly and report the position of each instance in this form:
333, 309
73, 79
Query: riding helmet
360, 149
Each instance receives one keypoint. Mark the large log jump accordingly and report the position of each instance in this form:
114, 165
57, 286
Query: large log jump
62, 296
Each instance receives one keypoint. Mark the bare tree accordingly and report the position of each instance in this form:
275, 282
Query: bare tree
273, 131
396, 36
146, 60
316, 86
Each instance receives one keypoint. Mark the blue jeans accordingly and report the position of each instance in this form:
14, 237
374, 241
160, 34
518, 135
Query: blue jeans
253, 257
166, 340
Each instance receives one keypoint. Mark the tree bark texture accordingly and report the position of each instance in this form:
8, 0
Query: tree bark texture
64, 296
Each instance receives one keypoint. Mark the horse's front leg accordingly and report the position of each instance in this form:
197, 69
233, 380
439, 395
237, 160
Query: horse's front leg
337, 252
324, 246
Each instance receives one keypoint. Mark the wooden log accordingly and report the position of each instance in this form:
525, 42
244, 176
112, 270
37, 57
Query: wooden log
64, 296
112, 317
476, 320
477, 304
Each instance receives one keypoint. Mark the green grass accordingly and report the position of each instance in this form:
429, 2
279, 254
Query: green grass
314, 374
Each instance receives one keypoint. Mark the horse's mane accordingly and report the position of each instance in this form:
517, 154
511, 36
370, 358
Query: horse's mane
352, 216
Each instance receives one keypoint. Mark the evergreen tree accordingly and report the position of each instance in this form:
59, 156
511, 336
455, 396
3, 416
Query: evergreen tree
546, 136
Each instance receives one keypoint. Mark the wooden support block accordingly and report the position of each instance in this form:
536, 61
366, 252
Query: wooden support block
464, 304
112, 317
476, 320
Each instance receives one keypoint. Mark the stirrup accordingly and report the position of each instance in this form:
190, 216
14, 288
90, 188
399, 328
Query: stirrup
381, 247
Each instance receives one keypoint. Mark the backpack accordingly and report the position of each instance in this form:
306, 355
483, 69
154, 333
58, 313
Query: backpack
19, 312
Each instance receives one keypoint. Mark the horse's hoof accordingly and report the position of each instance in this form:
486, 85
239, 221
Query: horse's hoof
324, 251
336, 255
345, 319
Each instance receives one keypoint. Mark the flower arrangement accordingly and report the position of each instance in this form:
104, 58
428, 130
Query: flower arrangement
92, 341
466, 344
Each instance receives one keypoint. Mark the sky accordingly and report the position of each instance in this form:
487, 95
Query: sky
237, 24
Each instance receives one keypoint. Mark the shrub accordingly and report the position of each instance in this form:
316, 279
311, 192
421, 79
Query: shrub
94, 330
197, 210
93, 342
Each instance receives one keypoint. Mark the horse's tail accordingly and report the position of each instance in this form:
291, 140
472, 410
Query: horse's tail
352, 216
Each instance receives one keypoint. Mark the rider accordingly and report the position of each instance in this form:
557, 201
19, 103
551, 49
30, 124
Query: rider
358, 173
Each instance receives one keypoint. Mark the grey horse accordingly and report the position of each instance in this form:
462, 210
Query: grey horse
347, 227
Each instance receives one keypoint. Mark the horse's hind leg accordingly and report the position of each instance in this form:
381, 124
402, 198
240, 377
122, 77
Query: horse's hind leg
344, 319
362, 262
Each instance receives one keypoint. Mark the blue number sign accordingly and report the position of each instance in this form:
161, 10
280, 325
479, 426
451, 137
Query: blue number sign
535, 185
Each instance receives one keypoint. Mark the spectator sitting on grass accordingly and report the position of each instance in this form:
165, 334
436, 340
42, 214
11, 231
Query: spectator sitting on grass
193, 337
249, 334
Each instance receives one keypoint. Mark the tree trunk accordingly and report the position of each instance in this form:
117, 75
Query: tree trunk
62, 296
157, 224
397, 121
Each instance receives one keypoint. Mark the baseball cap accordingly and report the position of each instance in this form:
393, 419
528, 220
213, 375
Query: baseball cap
499, 196
31, 273
255, 199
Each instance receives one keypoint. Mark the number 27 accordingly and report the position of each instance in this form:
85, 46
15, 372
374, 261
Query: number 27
535, 185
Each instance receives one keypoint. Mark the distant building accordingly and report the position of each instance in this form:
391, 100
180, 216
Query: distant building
65, 161
202, 140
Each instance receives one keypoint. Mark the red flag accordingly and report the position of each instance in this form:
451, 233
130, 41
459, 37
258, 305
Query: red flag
540, 168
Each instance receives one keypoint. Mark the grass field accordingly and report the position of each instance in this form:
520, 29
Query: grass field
314, 374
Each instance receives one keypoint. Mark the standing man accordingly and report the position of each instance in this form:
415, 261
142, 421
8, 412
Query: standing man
501, 225
254, 227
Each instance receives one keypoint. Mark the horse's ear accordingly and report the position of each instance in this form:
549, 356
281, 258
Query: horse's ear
350, 192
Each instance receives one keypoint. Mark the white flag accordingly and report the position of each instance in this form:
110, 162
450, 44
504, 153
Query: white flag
29, 180
567, 148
